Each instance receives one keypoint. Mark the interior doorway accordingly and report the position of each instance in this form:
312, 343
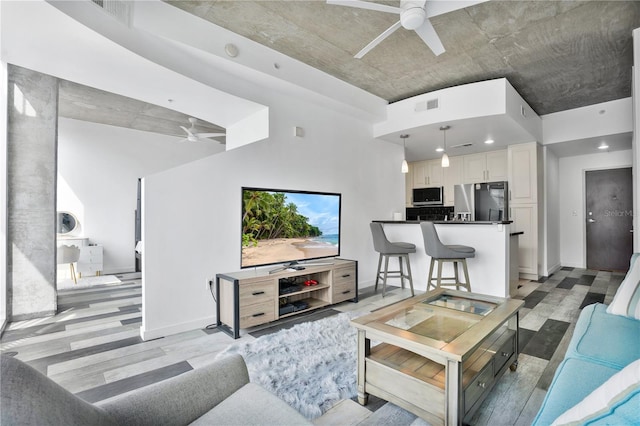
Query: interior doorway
609, 219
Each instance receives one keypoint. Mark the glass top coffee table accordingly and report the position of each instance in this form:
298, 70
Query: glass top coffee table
439, 353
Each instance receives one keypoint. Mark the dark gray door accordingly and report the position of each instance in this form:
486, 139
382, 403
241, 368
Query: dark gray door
609, 219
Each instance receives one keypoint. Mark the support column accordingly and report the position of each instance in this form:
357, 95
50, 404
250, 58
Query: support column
32, 117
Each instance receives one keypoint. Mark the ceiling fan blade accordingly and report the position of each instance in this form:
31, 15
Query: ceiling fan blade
365, 5
435, 8
188, 131
377, 40
209, 135
428, 34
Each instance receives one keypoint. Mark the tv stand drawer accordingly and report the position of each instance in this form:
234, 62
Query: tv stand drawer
257, 293
257, 314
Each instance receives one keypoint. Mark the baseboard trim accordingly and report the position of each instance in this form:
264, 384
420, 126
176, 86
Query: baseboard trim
530, 277
176, 328
574, 265
34, 315
555, 268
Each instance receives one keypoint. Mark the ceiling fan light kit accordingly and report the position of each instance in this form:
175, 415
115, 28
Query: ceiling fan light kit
414, 15
412, 18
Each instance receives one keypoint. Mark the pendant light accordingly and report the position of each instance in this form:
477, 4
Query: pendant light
405, 167
445, 157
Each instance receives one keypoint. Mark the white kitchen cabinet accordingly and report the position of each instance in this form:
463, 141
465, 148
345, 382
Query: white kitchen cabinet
475, 166
497, 166
427, 173
434, 172
452, 175
526, 201
525, 219
523, 173
486, 167
419, 174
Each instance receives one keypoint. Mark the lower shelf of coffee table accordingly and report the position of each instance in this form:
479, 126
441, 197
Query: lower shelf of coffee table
418, 384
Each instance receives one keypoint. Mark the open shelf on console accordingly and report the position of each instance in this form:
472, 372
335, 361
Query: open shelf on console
306, 289
313, 304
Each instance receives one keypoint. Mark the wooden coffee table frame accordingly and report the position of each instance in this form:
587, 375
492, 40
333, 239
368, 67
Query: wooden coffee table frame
441, 382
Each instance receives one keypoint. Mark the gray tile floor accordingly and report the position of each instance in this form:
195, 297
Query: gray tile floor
92, 346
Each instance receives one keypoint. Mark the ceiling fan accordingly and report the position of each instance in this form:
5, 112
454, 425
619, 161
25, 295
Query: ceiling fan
194, 136
414, 15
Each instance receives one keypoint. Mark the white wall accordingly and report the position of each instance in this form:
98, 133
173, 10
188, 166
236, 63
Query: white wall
98, 170
551, 256
587, 122
191, 224
572, 200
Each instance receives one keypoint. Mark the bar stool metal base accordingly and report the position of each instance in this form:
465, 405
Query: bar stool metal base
456, 278
386, 273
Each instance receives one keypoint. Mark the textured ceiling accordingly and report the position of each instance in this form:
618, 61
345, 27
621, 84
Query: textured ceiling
89, 104
558, 55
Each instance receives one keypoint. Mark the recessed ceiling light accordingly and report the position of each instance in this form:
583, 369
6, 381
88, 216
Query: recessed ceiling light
439, 149
489, 141
603, 145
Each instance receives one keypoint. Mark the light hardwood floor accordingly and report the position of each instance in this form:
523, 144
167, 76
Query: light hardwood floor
93, 347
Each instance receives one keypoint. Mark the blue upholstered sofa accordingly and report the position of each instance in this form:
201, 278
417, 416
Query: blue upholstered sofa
602, 345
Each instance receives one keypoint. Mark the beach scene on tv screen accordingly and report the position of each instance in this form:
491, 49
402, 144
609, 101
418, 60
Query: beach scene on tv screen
279, 227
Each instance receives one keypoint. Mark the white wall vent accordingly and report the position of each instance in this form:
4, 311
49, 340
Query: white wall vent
119, 9
432, 103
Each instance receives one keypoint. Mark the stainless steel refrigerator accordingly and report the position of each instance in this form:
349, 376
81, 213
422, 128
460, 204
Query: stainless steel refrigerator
487, 201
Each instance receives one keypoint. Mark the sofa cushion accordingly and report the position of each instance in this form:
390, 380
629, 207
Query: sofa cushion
252, 405
593, 338
27, 397
616, 401
181, 399
626, 301
574, 379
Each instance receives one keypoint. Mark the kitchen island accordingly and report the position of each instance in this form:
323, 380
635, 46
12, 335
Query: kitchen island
489, 270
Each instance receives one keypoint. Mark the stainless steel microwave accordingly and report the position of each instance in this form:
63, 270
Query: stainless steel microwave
427, 196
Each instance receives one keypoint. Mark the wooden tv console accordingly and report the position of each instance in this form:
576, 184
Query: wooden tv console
253, 297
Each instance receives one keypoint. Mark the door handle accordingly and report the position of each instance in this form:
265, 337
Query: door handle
591, 220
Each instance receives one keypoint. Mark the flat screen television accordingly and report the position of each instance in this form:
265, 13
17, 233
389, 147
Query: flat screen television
287, 226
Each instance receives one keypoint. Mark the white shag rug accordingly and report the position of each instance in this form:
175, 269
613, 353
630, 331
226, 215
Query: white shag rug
311, 366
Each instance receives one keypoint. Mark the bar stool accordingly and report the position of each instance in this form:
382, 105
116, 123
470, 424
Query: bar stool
388, 249
445, 253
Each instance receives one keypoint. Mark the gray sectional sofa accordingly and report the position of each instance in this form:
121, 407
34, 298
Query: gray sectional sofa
219, 393
599, 377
